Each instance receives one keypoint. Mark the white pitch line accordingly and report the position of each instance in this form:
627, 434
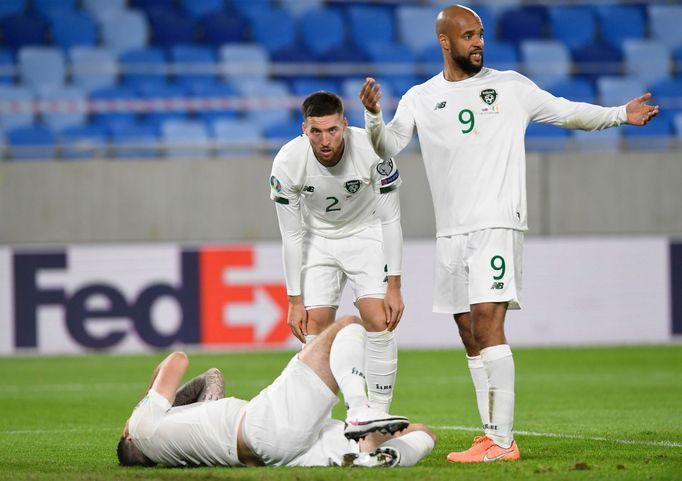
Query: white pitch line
669, 444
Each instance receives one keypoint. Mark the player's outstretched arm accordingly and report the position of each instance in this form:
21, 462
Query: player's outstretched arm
209, 386
639, 112
370, 94
169, 374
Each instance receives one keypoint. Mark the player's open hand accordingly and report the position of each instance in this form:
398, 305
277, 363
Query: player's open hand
394, 307
370, 94
638, 112
298, 318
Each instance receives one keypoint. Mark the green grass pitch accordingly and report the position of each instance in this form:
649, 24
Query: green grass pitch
582, 414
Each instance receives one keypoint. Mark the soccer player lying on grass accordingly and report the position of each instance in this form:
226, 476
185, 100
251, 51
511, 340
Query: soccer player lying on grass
288, 424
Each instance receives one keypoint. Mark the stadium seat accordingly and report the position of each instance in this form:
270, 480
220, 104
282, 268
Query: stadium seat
664, 24
488, 19
322, 30
304, 87
396, 64
525, 23
274, 29
170, 28
12, 7
142, 67
125, 30
574, 26
500, 55
415, 25
185, 139
668, 94
31, 143
150, 5
112, 106
646, 60
199, 8
251, 9
194, 65
602, 141
546, 138
41, 67
300, 7
223, 27
49, 9
17, 107
279, 134
134, 141
63, 107
545, 61
677, 123
7, 67
371, 24
355, 111
166, 102
614, 91
620, 22
93, 67
236, 138
244, 62
102, 9
20, 30
593, 61
575, 89
83, 142
656, 136
268, 102
72, 29
222, 102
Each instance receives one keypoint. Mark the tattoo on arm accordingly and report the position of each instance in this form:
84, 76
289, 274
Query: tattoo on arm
208, 386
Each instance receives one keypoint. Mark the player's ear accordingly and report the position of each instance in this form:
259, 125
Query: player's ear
444, 42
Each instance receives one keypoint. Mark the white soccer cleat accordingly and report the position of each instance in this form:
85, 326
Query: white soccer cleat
381, 458
362, 421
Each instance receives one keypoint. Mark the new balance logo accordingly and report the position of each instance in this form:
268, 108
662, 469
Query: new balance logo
497, 285
440, 105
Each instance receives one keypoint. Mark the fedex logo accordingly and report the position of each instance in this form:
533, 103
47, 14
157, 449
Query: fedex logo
104, 298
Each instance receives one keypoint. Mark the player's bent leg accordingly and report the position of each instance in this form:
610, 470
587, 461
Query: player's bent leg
319, 319
405, 448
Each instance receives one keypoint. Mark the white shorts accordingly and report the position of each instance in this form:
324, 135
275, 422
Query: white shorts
481, 266
289, 423
328, 263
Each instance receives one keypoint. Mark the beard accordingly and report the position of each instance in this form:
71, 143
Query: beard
466, 65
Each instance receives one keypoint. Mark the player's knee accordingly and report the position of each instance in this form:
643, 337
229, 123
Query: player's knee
424, 428
348, 320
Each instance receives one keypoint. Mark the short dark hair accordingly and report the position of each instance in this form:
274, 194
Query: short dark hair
129, 455
322, 103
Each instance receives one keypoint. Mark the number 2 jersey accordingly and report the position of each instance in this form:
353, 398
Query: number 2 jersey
471, 134
338, 201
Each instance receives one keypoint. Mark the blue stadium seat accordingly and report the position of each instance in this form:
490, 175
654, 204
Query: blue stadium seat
575, 89
236, 138
199, 8
620, 22
12, 7
223, 27
18, 108
244, 62
102, 9
93, 67
274, 29
168, 103
185, 139
152, 5
112, 106
677, 123
194, 65
664, 24
134, 141
171, 28
49, 9
601, 141
489, 21
300, 7
125, 30
31, 143
656, 136
500, 55
647, 60
222, 101
144, 66
545, 61
371, 24
304, 87
322, 30
416, 26
279, 134
7, 67
74, 29
574, 26
593, 61
41, 67
668, 94
268, 101
345, 54
83, 142
546, 138
20, 30
355, 112
70, 110
396, 64
614, 91
252, 8
525, 23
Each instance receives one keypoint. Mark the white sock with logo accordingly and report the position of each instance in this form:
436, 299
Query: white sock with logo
347, 363
480, 378
499, 364
412, 447
381, 366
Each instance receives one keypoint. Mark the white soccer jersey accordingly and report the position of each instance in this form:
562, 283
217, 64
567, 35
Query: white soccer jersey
201, 434
336, 201
471, 134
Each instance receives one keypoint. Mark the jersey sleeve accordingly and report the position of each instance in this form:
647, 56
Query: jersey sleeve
385, 176
389, 140
388, 211
545, 108
283, 189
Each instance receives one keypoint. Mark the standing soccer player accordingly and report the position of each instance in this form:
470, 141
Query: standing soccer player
339, 216
471, 122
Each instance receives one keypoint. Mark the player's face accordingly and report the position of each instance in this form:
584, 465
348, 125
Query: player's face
326, 137
466, 44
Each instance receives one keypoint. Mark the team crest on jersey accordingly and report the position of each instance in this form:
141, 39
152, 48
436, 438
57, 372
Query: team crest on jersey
275, 184
352, 186
385, 167
489, 96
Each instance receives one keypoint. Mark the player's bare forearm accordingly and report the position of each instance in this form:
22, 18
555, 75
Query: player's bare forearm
393, 302
298, 317
209, 386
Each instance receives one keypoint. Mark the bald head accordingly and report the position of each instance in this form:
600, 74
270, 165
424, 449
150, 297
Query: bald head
460, 34
452, 16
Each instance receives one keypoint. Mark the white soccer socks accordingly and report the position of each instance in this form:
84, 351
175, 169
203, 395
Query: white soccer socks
346, 360
412, 447
499, 365
381, 366
480, 378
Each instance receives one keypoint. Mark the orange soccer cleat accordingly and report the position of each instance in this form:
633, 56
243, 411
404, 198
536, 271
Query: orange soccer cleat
484, 450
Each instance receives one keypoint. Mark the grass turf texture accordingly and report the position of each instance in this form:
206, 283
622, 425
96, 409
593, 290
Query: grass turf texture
62, 416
